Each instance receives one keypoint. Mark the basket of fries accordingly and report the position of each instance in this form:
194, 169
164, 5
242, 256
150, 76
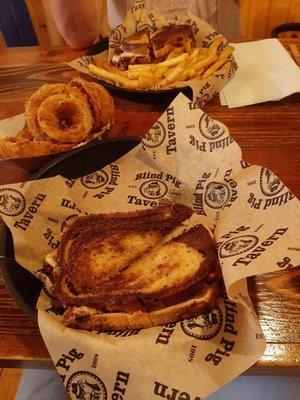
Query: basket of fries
149, 57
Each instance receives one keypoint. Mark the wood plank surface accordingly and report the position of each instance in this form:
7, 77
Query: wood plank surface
268, 134
259, 18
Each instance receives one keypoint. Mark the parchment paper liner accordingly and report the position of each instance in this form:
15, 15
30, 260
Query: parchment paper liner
188, 157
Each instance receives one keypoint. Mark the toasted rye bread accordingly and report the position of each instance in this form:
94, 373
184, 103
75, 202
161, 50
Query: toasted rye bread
92, 319
97, 247
139, 38
137, 44
135, 49
169, 37
135, 269
165, 275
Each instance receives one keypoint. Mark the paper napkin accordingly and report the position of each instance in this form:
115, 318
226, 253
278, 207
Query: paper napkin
265, 72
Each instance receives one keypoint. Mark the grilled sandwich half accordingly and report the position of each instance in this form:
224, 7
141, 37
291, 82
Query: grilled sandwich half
143, 48
134, 270
135, 49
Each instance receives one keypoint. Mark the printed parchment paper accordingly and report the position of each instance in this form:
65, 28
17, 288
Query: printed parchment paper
139, 18
185, 157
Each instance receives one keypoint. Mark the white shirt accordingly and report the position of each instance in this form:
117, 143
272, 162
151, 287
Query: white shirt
223, 15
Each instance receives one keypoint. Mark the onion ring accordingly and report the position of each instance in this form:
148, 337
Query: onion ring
32, 105
100, 101
65, 118
22, 145
30, 148
36, 101
58, 117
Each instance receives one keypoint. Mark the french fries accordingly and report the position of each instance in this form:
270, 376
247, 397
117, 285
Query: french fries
175, 52
213, 48
181, 64
118, 79
219, 62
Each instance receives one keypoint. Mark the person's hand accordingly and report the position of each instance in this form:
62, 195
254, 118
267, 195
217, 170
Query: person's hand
76, 21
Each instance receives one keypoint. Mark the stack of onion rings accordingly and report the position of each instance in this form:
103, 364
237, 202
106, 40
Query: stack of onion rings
59, 117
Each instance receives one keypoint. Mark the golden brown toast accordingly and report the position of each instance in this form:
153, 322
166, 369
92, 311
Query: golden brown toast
165, 275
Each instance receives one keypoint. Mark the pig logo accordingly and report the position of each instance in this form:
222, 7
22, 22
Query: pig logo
210, 128
155, 136
115, 36
66, 222
270, 185
153, 189
238, 245
244, 164
84, 62
95, 180
12, 202
201, 101
204, 327
48, 292
145, 26
83, 385
216, 195
42, 275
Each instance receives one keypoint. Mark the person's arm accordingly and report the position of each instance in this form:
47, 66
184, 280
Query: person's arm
76, 21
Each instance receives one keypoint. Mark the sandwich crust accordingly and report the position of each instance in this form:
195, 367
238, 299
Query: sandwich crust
92, 319
101, 103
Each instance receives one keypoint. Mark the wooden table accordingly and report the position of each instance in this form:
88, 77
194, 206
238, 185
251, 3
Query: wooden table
268, 134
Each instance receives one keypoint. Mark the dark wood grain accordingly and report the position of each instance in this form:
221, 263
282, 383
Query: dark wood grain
268, 134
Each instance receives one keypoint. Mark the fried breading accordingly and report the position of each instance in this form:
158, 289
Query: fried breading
30, 148
33, 104
91, 318
101, 103
59, 111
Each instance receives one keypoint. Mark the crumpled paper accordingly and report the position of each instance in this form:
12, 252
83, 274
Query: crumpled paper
185, 157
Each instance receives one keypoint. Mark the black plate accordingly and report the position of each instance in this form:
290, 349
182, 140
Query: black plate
144, 96
22, 285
